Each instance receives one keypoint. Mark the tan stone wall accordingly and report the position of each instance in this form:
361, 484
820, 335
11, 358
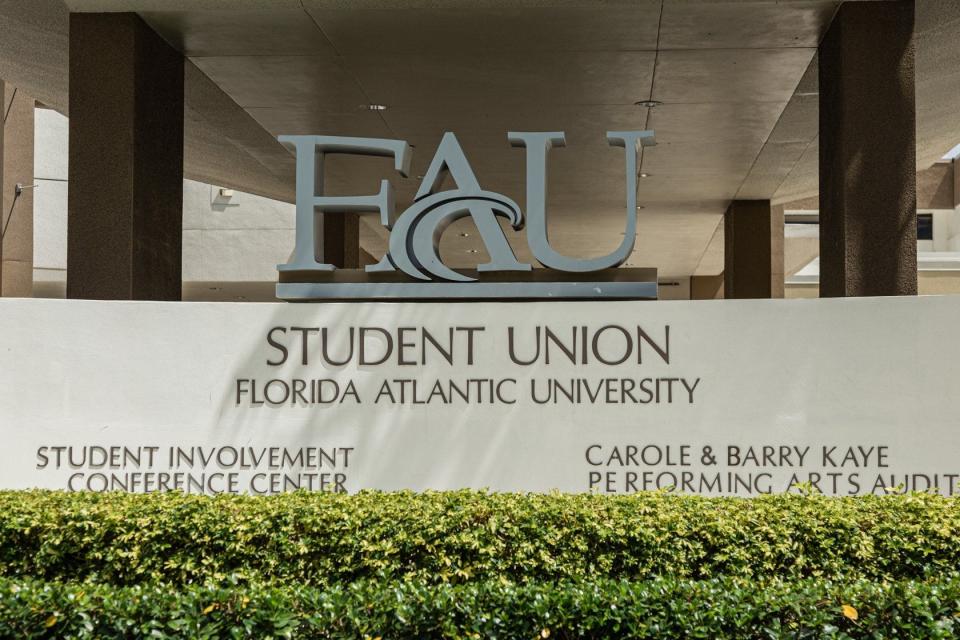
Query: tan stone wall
929, 283
706, 287
16, 167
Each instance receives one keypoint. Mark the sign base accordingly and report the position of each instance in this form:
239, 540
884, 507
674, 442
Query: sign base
538, 284
472, 291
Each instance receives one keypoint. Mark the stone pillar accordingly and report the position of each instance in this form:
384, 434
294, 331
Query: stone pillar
341, 239
868, 195
753, 250
16, 167
125, 204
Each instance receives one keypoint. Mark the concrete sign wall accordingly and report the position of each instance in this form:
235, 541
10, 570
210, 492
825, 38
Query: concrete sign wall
730, 397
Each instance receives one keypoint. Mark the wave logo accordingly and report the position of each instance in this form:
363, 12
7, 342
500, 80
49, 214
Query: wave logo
415, 235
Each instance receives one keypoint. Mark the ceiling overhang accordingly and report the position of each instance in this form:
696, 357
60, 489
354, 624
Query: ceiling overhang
737, 80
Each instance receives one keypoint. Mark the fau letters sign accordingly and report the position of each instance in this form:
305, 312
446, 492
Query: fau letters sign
415, 235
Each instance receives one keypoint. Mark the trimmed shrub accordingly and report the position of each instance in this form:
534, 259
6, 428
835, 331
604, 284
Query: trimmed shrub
662, 609
325, 539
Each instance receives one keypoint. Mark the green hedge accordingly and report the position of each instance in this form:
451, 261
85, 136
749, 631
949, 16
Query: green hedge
326, 539
662, 609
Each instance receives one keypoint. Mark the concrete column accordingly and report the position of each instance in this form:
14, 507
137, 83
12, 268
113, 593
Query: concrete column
341, 239
125, 204
868, 195
16, 167
753, 250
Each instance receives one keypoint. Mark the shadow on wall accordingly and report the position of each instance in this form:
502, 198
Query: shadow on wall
474, 437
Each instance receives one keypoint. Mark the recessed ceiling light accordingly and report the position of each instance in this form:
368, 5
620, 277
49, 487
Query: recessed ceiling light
641, 206
644, 175
376, 107
472, 251
649, 104
464, 235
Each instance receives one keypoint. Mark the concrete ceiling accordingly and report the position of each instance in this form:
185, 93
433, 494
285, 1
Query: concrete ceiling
789, 162
223, 144
724, 71
737, 79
